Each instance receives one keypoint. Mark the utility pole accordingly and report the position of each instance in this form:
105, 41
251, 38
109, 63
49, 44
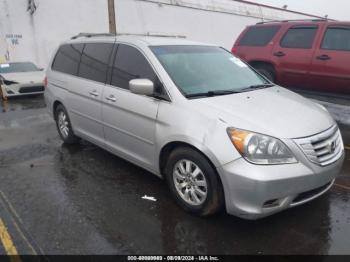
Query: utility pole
111, 17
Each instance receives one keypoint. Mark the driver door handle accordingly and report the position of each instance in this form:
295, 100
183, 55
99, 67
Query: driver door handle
93, 93
323, 57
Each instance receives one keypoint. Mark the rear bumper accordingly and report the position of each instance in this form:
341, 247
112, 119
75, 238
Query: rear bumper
253, 191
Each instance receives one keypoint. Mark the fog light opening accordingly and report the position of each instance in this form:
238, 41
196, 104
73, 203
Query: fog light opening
271, 203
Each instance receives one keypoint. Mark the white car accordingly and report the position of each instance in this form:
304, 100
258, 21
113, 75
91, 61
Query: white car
21, 78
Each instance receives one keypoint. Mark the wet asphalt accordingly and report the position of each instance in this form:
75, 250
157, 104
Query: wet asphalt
58, 199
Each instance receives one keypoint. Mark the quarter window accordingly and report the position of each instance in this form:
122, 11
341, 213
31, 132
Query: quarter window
131, 64
299, 37
94, 61
337, 39
259, 36
67, 59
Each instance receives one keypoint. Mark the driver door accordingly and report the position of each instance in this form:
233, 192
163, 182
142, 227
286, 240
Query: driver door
130, 119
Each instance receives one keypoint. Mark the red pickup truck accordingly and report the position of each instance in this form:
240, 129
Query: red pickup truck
308, 54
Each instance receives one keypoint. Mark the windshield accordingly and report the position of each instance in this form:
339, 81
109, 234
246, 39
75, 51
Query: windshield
17, 67
206, 69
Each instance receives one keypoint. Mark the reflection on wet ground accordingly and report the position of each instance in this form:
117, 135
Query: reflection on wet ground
83, 200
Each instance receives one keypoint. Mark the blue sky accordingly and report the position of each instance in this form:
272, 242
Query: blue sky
336, 9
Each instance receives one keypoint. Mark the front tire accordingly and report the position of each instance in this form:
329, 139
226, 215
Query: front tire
193, 182
64, 126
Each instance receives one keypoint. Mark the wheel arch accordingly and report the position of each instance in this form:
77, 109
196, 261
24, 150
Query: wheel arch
167, 148
255, 63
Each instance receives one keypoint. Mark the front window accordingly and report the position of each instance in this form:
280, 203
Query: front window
200, 70
17, 68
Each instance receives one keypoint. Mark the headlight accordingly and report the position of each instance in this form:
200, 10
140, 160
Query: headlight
260, 149
322, 107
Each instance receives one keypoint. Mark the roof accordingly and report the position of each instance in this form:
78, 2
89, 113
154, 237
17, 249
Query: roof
302, 22
151, 40
16, 61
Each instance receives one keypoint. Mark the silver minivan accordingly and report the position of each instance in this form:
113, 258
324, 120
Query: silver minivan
220, 134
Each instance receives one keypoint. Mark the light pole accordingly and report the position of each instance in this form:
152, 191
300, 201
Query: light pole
111, 17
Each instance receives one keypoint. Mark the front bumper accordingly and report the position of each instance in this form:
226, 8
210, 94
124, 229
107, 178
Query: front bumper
22, 89
256, 191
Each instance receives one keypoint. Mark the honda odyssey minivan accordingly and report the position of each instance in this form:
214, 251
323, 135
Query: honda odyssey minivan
219, 133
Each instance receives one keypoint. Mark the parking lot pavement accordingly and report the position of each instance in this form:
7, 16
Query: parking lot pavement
58, 199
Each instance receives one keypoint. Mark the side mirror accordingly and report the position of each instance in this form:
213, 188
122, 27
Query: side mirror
141, 87
41, 69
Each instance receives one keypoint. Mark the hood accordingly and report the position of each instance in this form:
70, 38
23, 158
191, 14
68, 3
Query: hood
25, 77
273, 111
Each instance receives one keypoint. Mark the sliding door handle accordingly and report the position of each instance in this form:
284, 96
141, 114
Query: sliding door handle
111, 98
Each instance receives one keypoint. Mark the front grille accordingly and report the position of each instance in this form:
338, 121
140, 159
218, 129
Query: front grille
309, 194
31, 89
324, 148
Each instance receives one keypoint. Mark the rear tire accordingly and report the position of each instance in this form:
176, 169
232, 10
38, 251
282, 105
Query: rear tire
193, 182
64, 126
266, 71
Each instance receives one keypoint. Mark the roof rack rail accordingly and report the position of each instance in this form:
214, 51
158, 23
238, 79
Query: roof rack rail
91, 35
153, 34
296, 20
131, 34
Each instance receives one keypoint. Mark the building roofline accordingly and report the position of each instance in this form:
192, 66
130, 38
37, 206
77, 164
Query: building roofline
278, 8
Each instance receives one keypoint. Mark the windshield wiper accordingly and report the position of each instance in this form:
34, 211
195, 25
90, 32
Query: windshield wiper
256, 87
213, 93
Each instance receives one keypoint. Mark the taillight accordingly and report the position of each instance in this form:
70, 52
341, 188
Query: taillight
45, 81
234, 50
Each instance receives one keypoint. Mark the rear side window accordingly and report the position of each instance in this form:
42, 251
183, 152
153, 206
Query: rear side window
259, 36
299, 37
337, 39
131, 64
94, 61
67, 59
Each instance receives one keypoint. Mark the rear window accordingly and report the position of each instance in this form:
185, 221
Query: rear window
299, 37
67, 59
259, 36
337, 39
94, 61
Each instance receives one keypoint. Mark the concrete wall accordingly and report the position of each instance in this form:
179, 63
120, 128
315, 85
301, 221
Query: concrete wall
26, 36
213, 21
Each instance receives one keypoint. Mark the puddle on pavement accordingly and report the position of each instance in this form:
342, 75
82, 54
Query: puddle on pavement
22, 103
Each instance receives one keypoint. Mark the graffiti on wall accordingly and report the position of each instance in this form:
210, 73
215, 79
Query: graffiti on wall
9, 44
31, 6
14, 38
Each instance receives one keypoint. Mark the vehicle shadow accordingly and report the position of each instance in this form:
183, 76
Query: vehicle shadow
108, 192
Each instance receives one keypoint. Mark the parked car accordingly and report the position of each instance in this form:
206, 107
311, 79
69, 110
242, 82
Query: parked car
311, 55
217, 131
21, 78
